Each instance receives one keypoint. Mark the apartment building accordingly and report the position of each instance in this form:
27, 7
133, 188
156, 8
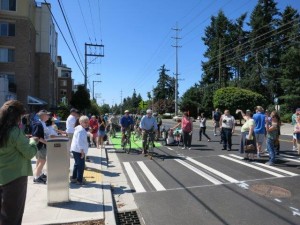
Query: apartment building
65, 82
28, 51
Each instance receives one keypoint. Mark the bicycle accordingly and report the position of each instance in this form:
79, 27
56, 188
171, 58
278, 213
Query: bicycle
136, 134
149, 145
126, 145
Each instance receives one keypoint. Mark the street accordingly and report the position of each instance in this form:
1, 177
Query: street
206, 185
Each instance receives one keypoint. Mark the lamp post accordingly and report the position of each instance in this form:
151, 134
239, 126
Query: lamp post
95, 81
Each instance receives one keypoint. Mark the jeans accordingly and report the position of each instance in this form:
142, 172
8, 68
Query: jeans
227, 132
187, 139
271, 150
12, 201
78, 168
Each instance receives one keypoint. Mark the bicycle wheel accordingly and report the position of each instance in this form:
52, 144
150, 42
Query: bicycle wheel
127, 146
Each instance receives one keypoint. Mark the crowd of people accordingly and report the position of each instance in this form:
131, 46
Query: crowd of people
17, 148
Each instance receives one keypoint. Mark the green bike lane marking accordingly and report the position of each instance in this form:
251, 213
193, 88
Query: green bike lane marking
134, 144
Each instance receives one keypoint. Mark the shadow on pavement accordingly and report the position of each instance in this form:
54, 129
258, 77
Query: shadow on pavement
83, 206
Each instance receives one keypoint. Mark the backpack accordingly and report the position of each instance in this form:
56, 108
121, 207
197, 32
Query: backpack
158, 121
217, 116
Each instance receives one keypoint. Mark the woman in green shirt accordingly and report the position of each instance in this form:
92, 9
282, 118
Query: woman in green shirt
16, 152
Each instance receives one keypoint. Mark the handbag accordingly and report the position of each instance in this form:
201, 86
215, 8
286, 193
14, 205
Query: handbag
249, 146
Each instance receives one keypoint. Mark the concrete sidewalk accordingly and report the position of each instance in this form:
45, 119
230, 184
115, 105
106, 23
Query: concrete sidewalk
89, 202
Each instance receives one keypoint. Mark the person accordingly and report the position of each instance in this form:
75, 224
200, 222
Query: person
16, 152
259, 130
247, 134
272, 129
94, 129
79, 149
148, 125
227, 126
70, 123
176, 131
39, 130
202, 120
216, 121
187, 130
101, 132
114, 123
127, 124
294, 121
159, 123
297, 131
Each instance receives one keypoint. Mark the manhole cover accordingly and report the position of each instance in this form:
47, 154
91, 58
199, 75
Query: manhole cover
270, 191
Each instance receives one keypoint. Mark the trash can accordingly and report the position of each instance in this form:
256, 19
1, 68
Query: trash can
58, 165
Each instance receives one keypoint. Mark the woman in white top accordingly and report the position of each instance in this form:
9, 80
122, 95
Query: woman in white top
202, 120
247, 135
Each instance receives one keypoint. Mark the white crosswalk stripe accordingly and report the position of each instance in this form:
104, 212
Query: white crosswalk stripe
133, 177
218, 173
199, 172
215, 177
269, 167
156, 184
252, 166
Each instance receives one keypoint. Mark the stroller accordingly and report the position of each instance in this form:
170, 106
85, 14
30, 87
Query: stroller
172, 137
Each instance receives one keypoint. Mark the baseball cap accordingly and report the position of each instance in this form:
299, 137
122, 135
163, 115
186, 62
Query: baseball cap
126, 111
43, 112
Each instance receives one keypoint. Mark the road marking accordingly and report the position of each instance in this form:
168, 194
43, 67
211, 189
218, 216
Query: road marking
218, 173
157, 185
270, 167
290, 158
133, 177
252, 166
170, 149
199, 172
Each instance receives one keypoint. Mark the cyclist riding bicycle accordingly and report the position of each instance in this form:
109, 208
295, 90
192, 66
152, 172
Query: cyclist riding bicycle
149, 126
126, 124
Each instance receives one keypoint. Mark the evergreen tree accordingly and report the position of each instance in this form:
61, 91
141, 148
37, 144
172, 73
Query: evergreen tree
81, 99
165, 85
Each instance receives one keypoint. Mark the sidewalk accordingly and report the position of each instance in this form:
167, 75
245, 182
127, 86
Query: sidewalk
90, 202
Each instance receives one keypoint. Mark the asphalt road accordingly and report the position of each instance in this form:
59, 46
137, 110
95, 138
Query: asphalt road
206, 185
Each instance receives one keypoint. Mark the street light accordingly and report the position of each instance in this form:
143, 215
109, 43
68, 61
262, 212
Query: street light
95, 81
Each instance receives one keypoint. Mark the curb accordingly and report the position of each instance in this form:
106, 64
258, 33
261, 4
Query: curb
109, 215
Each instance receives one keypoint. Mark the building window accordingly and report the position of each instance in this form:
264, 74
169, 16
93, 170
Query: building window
12, 87
65, 74
7, 55
7, 29
8, 5
63, 92
63, 83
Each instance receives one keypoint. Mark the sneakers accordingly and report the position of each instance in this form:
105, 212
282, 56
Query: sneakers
269, 163
39, 180
294, 148
215, 134
190, 148
73, 180
183, 148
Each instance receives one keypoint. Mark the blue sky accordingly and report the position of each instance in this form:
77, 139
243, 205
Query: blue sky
137, 36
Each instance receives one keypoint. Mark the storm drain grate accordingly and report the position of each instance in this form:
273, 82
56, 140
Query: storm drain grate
128, 218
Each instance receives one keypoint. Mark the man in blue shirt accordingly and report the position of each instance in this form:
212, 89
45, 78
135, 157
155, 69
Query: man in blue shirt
259, 130
126, 124
148, 125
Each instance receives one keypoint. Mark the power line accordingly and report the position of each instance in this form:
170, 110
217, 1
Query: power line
84, 21
92, 21
70, 32
63, 36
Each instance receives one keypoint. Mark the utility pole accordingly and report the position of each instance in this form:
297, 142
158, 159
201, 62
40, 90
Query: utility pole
99, 52
121, 103
220, 81
95, 81
176, 46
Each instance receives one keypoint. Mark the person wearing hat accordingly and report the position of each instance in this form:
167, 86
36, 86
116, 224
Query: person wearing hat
126, 124
70, 123
39, 129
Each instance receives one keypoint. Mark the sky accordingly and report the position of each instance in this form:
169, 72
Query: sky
138, 36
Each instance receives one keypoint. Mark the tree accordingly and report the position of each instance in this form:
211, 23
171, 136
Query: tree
81, 99
233, 98
165, 88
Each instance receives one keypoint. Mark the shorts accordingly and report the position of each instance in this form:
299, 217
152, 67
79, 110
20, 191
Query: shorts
259, 138
41, 153
217, 124
95, 135
101, 133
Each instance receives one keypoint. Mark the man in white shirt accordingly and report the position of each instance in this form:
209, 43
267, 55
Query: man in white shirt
70, 123
227, 125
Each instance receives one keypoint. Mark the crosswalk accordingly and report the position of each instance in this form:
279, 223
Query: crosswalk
187, 172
